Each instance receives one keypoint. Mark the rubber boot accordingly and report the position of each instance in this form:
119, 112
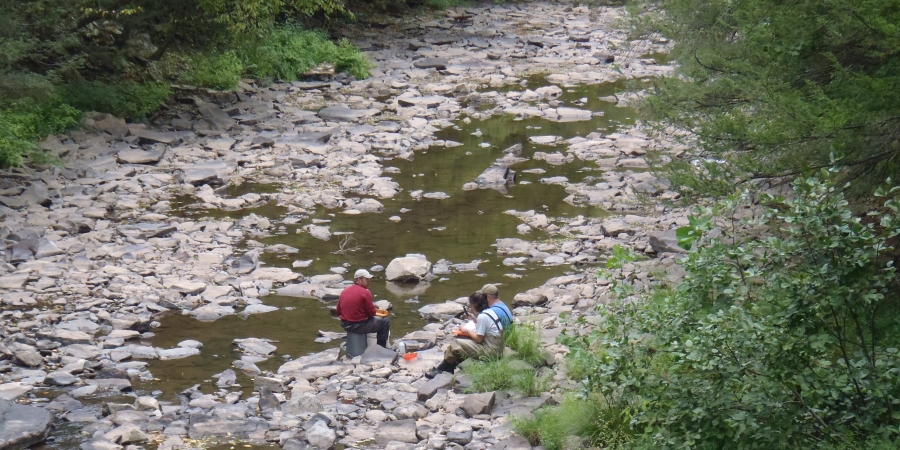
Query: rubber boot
444, 366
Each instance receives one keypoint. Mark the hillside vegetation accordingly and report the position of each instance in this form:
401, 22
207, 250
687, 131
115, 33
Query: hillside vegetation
58, 59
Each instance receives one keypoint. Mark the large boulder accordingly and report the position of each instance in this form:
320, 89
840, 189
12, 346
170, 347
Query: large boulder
665, 242
441, 311
410, 268
22, 426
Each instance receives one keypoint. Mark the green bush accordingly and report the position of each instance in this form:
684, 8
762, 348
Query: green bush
127, 99
22, 122
575, 422
217, 71
780, 340
287, 51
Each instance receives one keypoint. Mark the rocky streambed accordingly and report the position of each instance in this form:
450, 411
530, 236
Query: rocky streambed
171, 284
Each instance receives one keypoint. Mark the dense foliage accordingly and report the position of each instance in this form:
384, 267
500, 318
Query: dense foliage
119, 56
776, 339
771, 89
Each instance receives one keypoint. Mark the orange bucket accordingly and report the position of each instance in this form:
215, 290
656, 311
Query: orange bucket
410, 356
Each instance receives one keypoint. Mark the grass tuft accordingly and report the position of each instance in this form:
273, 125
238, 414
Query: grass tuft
574, 423
505, 374
525, 340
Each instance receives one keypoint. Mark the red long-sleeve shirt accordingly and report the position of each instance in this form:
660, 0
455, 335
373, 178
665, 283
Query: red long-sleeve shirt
355, 304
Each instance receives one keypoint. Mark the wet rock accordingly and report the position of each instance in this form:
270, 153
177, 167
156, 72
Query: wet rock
665, 242
475, 404
400, 430
100, 444
493, 177
63, 403
441, 311
319, 232
22, 426
320, 436
412, 267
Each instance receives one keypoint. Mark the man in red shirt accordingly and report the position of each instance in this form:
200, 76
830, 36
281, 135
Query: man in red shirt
357, 310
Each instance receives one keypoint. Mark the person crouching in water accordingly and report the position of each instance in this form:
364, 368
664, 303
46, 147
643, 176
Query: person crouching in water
485, 342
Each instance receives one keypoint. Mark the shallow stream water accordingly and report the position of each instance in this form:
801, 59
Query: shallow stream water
461, 229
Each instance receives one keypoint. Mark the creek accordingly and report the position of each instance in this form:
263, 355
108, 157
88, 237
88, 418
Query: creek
460, 229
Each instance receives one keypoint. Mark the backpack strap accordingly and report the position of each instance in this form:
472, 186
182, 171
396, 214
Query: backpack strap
496, 320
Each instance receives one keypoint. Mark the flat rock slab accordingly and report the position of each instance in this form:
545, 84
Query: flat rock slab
430, 101
12, 391
475, 404
431, 63
443, 380
140, 156
22, 426
378, 354
340, 113
398, 430
146, 137
14, 281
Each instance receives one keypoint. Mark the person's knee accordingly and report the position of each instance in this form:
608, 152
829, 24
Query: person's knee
385, 323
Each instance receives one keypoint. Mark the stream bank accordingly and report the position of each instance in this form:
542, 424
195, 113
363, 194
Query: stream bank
130, 272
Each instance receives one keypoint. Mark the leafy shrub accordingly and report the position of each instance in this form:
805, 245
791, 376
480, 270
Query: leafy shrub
127, 99
22, 122
781, 340
288, 50
217, 71
590, 420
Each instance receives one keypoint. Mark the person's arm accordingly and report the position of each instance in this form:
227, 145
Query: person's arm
478, 338
370, 303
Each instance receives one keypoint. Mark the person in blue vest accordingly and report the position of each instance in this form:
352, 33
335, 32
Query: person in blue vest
493, 296
483, 342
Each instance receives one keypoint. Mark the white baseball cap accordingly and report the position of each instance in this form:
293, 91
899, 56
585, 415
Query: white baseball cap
362, 273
